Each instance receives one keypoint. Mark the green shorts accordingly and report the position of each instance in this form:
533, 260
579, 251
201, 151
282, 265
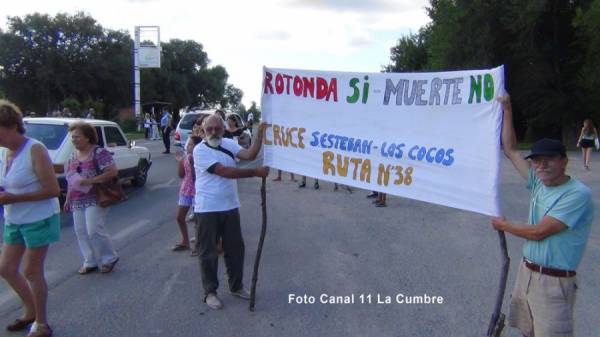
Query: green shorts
35, 234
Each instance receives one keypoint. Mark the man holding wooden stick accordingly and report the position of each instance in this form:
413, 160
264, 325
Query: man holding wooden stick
217, 206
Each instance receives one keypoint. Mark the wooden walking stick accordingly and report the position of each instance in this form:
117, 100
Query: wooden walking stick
497, 321
261, 241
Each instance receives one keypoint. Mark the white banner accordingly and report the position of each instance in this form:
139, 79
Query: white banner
433, 137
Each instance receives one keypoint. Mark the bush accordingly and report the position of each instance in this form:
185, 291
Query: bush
129, 125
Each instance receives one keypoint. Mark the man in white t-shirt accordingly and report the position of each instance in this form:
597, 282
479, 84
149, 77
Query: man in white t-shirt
217, 204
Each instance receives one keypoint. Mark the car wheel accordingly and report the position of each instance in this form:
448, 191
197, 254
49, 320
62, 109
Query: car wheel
142, 174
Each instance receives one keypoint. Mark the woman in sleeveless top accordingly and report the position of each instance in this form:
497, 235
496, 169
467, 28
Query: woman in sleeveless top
31, 218
187, 191
587, 141
89, 165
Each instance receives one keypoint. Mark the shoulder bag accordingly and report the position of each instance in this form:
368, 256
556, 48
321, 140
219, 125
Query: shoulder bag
108, 193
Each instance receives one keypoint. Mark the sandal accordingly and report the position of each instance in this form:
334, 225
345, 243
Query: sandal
107, 268
194, 252
41, 330
86, 270
19, 324
179, 247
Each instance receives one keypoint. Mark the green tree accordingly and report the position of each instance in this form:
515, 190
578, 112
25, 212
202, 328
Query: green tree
587, 26
232, 98
410, 54
48, 59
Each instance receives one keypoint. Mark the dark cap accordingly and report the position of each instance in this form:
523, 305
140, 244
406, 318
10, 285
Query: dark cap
547, 147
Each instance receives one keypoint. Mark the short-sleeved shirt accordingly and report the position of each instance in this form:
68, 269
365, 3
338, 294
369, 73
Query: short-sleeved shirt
165, 120
570, 203
215, 193
78, 199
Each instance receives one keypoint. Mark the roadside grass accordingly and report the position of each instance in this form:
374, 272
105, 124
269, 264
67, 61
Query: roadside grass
134, 135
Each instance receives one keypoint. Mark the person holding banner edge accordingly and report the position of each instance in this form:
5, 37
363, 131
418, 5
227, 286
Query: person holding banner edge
217, 206
560, 218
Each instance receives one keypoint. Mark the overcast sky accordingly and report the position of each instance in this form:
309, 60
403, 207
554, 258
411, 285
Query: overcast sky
243, 36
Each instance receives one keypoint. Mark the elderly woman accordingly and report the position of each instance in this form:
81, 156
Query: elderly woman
89, 165
29, 196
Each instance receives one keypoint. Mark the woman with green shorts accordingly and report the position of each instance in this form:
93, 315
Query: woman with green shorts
31, 218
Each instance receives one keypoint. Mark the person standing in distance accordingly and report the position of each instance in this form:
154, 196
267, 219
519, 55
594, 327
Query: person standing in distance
217, 206
165, 125
560, 217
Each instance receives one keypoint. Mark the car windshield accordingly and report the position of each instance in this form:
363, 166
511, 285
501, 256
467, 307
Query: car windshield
188, 121
51, 135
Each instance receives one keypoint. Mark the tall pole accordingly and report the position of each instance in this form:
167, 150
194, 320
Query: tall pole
136, 74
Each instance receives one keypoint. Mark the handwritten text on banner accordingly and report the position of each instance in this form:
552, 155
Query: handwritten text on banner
426, 136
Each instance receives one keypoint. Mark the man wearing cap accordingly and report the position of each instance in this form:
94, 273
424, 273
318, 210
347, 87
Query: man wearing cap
560, 217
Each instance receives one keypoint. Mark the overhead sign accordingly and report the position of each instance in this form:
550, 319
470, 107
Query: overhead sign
432, 137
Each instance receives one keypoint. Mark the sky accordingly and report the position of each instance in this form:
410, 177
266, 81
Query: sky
243, 36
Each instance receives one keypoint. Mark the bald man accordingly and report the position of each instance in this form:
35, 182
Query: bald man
217, 206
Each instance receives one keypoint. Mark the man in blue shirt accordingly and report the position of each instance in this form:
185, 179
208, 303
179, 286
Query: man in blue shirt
560, 217
165, 126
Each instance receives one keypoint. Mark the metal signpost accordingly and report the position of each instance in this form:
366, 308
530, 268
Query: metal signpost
146, 54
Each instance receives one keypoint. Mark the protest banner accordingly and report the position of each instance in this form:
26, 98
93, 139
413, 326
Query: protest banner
433, 137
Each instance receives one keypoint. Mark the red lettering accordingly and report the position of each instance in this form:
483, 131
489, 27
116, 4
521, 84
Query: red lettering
315, 87
279, 84
297, 86
309, 86
321, 88
287, 86
332, 89
267, 82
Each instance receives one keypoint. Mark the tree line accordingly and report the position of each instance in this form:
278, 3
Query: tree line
550, 49
50, 62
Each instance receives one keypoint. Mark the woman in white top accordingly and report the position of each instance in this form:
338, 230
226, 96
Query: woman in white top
32, 221
147, 126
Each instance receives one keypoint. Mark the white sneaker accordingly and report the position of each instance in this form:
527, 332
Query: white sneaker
242, 293
213, 302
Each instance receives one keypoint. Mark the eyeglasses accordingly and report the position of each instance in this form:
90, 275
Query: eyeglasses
79, 168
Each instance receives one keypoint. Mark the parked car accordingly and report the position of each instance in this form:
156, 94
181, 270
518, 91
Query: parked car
184, 127
133, 162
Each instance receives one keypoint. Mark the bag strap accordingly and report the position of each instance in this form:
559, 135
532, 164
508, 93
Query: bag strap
96, 166
221, 149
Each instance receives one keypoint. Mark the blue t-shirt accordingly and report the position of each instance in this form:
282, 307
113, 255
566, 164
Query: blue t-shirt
570, 203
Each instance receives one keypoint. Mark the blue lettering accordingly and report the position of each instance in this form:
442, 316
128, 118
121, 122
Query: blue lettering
422, 152
399, 153
367, 147
429, 157
343, 143
330, 140
315, 141
383, 153
357, 144
449, 158
440, 156
323, 137
410, 153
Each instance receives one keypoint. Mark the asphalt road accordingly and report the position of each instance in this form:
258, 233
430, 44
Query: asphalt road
318, 242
